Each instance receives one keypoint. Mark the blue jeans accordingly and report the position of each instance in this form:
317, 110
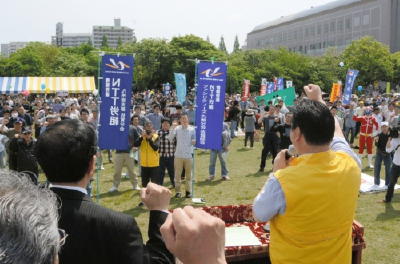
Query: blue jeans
222, 155
387, 160
233, 128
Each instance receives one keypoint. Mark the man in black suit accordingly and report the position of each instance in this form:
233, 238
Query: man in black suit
66, 152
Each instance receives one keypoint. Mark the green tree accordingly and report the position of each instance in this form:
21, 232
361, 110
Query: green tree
236, 45
154, 63
188, 48
222, 46
104, 42
119, 46
396, 64
28, 61
371, 58
70, 64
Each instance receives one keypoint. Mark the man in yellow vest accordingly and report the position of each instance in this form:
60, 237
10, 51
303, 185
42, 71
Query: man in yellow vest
310, 200
149, 156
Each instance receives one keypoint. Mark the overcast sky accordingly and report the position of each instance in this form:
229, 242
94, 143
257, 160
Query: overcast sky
34, 20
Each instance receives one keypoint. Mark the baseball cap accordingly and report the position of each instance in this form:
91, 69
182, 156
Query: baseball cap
19, 120
385, 123
26, 131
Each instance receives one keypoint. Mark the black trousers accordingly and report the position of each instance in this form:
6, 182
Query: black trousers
168, 164
249, 135
394, 176
150, 173
271, 145
242, 119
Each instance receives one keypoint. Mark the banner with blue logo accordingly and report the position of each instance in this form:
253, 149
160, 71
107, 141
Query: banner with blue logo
280, 85
116, 90
270, 87
210, 103
180, 82
348, 90
166, 88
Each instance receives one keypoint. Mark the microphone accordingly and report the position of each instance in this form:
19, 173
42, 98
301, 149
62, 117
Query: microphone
291, 152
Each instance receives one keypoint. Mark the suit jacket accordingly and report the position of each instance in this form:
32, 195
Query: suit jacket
99, 235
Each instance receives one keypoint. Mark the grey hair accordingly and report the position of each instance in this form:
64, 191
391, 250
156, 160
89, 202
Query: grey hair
28, 221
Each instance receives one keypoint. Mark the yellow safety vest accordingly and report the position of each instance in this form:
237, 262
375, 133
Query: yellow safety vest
321, 193
148, 156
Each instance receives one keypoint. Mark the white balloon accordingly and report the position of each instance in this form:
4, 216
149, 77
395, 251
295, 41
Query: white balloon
95, 92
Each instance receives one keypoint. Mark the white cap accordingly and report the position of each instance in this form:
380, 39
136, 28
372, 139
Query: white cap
385, 124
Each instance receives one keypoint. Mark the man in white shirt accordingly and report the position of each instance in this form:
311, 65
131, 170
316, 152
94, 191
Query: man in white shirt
185, 139
393, 145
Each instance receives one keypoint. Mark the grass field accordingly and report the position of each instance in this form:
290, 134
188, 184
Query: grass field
381, 222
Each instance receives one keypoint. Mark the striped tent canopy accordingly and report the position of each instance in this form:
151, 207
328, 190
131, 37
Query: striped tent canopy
61, 84
13, 85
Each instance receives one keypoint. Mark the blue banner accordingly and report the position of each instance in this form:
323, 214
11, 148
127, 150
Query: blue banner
210, 104
180, 82
166, 88
270, 87
116, 91
348, 90
280, 84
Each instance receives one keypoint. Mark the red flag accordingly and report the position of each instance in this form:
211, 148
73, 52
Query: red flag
246, 90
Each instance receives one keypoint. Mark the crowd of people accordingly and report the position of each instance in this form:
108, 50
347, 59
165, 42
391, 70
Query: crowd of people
59, 136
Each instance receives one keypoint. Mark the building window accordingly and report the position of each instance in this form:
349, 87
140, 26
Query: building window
348, 24
375, 17
365, 21
356, 21
312, 31
340, 25
326, 28
332, 27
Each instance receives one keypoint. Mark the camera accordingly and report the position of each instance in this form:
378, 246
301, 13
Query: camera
148, 132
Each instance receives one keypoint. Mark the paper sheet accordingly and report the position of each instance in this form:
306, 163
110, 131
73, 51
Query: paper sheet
240, 236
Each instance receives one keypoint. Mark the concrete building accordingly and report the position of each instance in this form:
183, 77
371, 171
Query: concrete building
113, 34
10, 48
335, 24
62, 39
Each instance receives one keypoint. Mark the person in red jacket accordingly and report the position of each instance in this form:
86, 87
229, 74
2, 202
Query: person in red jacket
367, 122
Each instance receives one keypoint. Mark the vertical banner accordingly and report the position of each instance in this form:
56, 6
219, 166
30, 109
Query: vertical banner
180, 83
289, 84
280, 85
166, 88
116, 90
210, 103
270, 88
263, 87
275, 82
245, 90
350, 79
388, 88
335, 92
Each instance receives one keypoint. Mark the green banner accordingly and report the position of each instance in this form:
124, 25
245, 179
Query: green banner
287, 95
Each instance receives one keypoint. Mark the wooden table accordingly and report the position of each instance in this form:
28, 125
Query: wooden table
242, 215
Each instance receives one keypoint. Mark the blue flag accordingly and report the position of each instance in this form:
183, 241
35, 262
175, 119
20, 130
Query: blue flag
210, 104
180, 82
348, 90
116, 90
280, 84
270, 87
